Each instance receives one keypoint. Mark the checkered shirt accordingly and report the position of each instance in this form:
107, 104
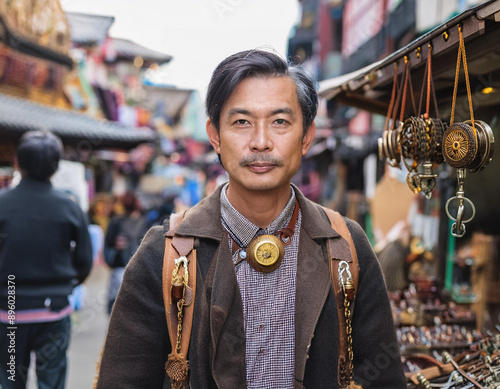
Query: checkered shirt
268, 300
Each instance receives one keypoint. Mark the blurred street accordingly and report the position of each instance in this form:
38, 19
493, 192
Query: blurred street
89, 329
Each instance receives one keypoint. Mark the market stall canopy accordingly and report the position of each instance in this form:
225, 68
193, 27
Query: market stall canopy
128, 50
370, 88
18, 116
87, 29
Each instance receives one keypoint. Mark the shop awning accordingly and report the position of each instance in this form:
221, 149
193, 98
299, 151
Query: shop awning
370, 88
87, 29
128, 50
18, 116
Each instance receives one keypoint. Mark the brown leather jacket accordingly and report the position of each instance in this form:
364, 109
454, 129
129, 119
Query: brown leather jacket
137, 342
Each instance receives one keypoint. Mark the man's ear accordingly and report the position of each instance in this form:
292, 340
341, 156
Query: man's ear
308, 138
213, 136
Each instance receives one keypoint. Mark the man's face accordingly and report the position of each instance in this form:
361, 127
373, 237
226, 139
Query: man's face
261, 140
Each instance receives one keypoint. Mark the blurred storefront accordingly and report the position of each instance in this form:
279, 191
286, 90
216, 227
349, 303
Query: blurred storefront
439, 283
64, 73
41, 87
119, 77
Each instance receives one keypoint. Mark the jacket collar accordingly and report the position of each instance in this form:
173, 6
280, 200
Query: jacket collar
203, 220
35, 185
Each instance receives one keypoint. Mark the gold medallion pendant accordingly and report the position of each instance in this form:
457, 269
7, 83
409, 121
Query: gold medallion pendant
265, 253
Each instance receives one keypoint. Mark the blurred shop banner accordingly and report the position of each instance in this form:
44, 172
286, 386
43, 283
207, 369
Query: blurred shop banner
70, 178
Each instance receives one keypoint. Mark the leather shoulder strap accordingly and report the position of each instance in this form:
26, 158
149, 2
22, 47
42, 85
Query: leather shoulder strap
177, 247
337, 269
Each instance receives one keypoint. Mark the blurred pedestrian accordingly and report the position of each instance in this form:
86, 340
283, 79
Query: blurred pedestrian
101, 210
157, 215
123, 237
45, 251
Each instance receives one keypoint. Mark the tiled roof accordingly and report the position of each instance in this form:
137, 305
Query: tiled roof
87, 29
129, 50
24, 45
18, 116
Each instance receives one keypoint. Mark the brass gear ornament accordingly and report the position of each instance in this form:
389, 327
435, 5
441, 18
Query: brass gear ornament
462, 149
265, 253
459, 145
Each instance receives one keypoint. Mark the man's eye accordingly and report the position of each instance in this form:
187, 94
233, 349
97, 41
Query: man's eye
241, 122
280, 121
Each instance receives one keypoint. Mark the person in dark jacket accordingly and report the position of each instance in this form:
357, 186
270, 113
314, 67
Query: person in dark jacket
45, 251
270, 326
122, 239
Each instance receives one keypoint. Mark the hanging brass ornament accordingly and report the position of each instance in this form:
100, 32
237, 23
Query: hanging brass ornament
463, 149
485, 146
459, 145
265, 253
466, 145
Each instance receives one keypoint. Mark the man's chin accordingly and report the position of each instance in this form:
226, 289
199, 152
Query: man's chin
263, 186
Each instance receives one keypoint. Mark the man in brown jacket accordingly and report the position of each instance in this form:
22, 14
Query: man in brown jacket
265, 312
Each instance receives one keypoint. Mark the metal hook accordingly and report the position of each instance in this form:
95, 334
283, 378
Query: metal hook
458, 231
344, 268
458, 228
181, 260
460, 212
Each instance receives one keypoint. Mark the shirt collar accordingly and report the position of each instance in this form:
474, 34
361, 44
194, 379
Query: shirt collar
243, 230
35, 184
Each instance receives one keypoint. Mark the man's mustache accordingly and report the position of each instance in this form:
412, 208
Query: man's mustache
257, 158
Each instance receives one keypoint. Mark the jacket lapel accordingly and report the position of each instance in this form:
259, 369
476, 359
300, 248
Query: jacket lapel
227, 333
313, 277
312, 287
226, 324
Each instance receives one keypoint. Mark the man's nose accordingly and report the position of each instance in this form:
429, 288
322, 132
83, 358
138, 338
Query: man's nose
261, 138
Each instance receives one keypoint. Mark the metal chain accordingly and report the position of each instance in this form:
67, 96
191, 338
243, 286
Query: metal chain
348, 284
347, 312
180, 280
180, 306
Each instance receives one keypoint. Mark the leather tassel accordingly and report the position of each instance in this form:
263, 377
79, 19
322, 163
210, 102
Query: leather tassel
177, 369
